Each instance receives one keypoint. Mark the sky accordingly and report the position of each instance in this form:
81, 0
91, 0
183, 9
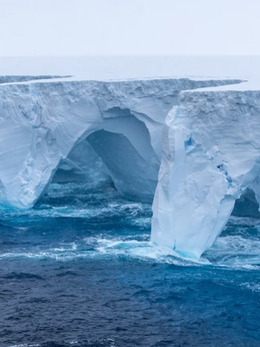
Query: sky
129, 27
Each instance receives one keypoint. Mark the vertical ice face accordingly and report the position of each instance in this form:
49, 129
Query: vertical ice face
211, 154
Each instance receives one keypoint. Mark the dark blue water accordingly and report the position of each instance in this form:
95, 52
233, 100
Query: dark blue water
79, 270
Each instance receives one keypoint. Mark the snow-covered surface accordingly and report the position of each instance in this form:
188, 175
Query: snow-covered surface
112, 112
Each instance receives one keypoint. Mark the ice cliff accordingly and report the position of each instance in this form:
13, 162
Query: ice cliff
205, 144
211, 155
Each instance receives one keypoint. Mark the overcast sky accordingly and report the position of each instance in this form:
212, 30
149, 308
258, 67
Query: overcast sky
129, 27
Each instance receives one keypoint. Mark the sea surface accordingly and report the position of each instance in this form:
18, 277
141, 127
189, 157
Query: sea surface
79, 270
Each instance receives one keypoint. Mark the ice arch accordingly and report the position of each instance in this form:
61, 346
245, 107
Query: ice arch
120, 150
211, 155
40, 123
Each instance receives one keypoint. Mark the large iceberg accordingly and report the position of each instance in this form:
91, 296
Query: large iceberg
204, 143
41, 124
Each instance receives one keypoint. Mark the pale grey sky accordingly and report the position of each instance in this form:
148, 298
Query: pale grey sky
129, 27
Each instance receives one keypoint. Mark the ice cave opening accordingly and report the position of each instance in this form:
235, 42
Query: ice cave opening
120, 153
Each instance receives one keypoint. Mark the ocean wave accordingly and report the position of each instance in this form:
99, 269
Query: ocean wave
108, 225
224, 254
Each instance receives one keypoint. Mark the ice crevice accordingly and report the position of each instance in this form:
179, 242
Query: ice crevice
157, 140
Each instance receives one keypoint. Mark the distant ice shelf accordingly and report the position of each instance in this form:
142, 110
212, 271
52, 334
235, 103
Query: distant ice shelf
204, 145
21, 78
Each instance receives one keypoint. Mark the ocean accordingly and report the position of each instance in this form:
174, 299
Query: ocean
79, 270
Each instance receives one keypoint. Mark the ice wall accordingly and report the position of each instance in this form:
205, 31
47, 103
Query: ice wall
41, 124
211, 155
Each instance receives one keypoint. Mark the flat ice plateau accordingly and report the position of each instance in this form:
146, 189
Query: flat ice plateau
161, 130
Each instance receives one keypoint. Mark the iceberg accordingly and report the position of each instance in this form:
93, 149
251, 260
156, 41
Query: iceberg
42, 123
190, 145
